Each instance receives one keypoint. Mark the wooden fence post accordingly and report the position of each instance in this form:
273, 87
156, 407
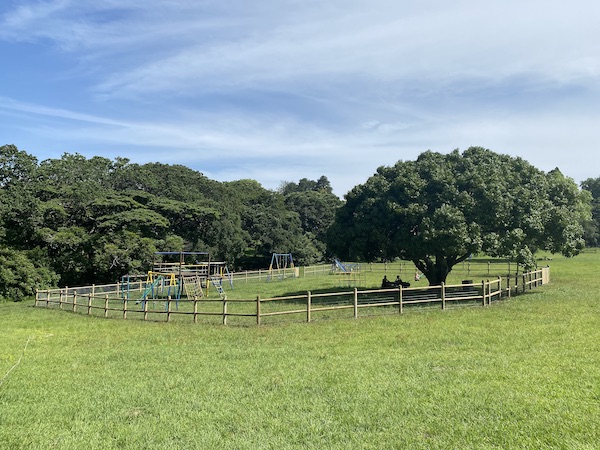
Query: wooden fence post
500, 287
443, 288
483, 292
508, 285
89, 305
258, 310
168, 308
355, 303
225, 311
106, 306
74, 301
400, 299
145, 304
124, 309
530, 282
195, 309
308, 305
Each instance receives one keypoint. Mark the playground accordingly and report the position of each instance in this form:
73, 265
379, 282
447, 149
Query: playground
177, 275
184, 285
182, 276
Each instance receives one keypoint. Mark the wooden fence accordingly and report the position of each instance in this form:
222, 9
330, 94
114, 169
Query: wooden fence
106, 301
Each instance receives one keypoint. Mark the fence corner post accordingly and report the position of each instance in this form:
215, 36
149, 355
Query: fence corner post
355, 303
308, 305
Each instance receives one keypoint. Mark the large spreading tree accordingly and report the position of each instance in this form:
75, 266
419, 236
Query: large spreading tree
442, 208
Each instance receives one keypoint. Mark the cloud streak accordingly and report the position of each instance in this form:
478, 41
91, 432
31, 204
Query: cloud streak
299, 89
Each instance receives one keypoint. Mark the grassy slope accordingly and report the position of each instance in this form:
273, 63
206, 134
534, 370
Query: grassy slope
524, 373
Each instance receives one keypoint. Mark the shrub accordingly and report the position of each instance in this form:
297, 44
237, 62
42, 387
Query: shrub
20, 277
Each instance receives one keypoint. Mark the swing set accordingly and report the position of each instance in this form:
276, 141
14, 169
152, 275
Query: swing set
282, 265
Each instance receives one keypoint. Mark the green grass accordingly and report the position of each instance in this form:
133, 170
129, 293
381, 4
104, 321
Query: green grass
523, 373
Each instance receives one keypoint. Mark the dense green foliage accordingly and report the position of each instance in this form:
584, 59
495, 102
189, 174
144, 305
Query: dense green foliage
442, 208
85, 221
592, 227
521, 374
93, 220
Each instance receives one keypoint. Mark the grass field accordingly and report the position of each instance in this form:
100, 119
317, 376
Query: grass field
523, 373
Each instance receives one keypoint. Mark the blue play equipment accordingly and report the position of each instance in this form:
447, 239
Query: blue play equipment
340, 265
155, 285
281, 263
217, 283
345, 267
150, 287
176, 275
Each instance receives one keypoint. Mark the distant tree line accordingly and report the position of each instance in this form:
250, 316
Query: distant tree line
75, 221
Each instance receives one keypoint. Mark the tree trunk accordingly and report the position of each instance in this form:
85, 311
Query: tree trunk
436, 271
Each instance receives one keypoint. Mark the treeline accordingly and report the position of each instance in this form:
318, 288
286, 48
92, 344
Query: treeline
75, 221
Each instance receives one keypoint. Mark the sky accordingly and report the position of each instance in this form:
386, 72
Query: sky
279, 90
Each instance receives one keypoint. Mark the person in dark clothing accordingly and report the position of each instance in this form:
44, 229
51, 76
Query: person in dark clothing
385, 283
399, 282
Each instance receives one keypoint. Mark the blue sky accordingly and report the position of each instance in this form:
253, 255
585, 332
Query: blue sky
281, 90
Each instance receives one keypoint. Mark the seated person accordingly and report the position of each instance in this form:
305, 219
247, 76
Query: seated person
385, 283
399, 282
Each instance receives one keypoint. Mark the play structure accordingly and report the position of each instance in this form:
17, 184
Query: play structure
177, 275
339, 266
348, 274
282, 266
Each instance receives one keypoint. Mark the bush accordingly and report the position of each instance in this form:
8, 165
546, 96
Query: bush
20, 277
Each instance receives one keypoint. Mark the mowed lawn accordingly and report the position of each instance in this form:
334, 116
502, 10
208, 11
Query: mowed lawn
523, 373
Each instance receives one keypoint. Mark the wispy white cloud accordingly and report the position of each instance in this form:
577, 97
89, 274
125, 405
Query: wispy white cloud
286, 87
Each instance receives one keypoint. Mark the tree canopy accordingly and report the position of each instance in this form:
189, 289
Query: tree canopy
442, 208
592, 227
77, 220
91, 220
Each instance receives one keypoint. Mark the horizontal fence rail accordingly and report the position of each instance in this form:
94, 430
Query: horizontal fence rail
108, 301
